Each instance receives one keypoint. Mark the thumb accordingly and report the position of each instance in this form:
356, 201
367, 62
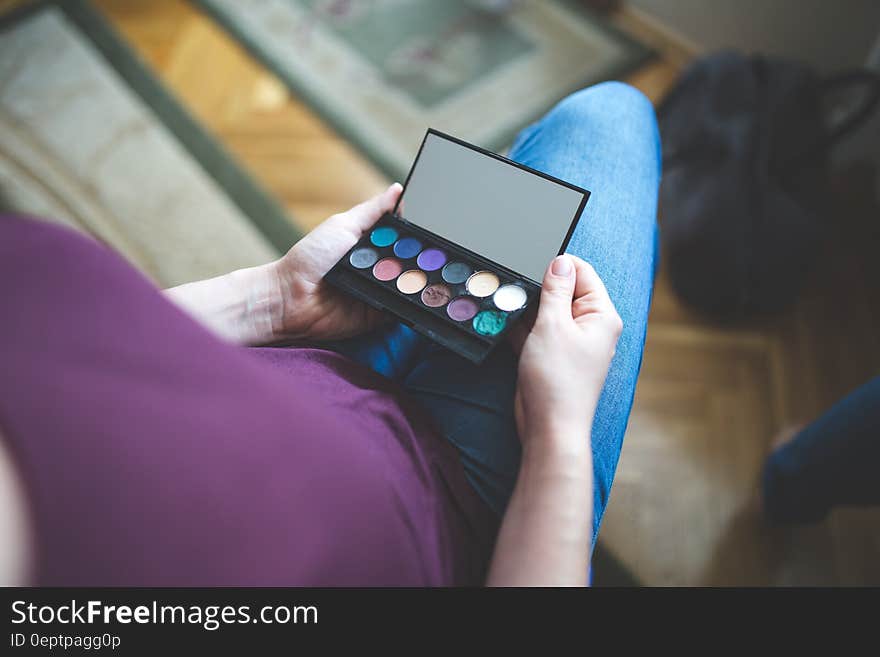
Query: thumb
557, 289
362, 217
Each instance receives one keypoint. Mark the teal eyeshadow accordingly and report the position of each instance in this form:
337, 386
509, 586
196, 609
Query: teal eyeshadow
383, 236
490, 322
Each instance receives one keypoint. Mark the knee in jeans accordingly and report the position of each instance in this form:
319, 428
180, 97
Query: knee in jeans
607, 101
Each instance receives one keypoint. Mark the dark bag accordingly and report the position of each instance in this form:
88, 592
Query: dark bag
744, 197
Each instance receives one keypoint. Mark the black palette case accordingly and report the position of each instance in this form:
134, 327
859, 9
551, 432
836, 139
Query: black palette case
464, 301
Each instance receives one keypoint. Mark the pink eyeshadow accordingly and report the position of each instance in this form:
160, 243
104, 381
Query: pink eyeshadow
387, 269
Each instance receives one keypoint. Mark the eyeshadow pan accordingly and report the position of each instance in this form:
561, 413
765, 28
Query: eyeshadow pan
436, 295
509, 297
363, 258
407, 247
456, 272
462, 309
387, 269
490, 322
383, 236
431, 259
412, 281
483, 284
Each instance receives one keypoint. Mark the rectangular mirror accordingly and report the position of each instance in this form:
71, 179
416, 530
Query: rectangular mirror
516, 217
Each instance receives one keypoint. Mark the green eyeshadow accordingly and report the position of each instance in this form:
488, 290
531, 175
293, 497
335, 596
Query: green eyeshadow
490, 322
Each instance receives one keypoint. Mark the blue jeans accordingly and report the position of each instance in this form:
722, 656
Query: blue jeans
604, 139
835, 461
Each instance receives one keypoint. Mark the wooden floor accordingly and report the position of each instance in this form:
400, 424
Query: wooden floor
709, 398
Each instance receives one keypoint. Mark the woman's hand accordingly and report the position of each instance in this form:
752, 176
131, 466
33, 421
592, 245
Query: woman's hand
566, 355
312, 309
288, 299
546, 532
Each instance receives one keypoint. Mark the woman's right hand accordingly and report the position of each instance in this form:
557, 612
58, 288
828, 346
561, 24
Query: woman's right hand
566, 355
545, 535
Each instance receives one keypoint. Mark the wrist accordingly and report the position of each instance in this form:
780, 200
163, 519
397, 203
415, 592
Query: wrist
563, 440
243, 306
261, 318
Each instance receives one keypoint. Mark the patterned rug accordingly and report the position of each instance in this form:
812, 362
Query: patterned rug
382, 71
90, 139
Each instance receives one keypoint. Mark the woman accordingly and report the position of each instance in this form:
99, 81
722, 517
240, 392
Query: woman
140, 449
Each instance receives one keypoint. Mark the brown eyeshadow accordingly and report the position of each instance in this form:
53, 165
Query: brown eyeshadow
436, 295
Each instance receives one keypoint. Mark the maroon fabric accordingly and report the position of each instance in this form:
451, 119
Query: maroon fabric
155, 454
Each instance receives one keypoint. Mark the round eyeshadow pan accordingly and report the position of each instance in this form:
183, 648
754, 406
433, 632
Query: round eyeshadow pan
456, 272
387, 269
407, 247
436, 295
431, 259
509, 298
490, 322
482, 284
363, 258
462, 309
383, 236
412, 281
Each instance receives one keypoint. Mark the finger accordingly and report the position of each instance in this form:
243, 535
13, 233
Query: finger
588, 283
365, 214
557, 290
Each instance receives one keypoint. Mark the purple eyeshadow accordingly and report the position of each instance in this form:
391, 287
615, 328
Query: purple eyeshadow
462, 309
431, 259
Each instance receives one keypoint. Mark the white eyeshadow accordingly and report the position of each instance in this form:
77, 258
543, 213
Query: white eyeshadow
509, 298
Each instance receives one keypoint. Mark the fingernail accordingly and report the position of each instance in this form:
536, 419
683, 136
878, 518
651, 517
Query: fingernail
561, 266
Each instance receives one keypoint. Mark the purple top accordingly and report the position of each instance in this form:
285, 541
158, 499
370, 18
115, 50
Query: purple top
155, 454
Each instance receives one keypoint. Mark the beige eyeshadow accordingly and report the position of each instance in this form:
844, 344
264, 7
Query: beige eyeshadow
482, 284
412, 281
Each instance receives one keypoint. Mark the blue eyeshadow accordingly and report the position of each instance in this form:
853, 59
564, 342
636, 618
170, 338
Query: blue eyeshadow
408, 247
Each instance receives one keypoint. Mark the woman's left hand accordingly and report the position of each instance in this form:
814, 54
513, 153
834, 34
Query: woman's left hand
310, 308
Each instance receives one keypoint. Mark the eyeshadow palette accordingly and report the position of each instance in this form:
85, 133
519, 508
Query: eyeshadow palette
443, 261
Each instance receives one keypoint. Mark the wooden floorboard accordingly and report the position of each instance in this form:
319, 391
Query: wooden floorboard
683, 508
291, 151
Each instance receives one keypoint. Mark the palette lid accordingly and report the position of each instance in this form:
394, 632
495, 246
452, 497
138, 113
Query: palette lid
511, 214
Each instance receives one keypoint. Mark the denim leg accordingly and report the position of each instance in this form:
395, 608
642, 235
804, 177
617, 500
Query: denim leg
391, 351
605, 139
835, 461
